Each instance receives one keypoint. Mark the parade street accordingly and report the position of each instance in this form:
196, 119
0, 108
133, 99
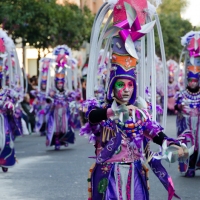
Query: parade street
45, 174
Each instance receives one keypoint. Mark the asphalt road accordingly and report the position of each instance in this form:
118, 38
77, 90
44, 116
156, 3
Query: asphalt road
45, 174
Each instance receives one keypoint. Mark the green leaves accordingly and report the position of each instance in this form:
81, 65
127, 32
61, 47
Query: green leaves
44, 23
173, 28
171, 6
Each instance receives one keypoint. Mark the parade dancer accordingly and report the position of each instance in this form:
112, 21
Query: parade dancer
172, 84
8, 125
75, 100
119, 125
188, 103
14, 81
40, 105
59, 125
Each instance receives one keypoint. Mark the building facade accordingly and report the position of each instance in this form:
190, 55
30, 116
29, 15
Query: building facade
93, 5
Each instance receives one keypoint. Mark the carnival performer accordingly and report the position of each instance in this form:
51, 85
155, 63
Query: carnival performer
40, 105
172, 84
75, 96
119, 125
59, 125
8, 125
188, 103
14, 81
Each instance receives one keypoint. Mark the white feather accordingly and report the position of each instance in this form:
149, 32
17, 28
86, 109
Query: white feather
185, 38
151, 9
111, 2
8, 42
156, 2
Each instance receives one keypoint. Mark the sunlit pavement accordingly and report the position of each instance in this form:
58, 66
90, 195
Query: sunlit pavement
45, 174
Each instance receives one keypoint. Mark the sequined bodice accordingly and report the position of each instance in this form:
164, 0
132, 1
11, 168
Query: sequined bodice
60, 99
190, 102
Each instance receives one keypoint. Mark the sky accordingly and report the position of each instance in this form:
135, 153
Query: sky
192, 12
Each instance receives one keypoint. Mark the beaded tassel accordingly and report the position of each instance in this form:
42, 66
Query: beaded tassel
128, 186
119, 183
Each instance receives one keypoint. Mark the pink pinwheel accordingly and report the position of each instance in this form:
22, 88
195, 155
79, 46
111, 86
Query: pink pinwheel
46, 66
130, 30
61, 60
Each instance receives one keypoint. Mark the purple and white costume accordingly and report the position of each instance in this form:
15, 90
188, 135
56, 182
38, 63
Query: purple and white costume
59, 125
188, 104
40, 104
8, 126
117, 132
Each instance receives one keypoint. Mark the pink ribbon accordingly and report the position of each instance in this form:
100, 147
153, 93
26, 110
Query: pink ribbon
46, 65
2, 46
45, 69
191, 48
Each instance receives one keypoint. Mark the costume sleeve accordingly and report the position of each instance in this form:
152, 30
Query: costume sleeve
97, 115
93, 113
178, 101
151, 129
161, 137
158, 139
154, 132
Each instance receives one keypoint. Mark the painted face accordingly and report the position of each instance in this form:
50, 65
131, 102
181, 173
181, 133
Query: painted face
60, 85
193, 83
43, 86
123, 90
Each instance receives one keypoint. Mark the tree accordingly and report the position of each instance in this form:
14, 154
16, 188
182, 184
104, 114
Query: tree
173, 28
44, 23
172, 6
76, 26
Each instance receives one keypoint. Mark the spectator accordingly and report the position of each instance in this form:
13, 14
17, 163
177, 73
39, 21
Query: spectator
29, 116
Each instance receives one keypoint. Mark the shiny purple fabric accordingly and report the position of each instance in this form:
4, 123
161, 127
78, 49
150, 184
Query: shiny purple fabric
140, 188
110, 148
111, 192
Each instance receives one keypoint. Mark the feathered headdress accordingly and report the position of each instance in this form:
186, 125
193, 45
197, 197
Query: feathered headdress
191, 51
45, 73
63, 71
9, 63
125, 42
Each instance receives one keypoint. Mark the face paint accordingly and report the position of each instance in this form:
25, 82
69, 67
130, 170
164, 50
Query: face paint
193, 83
60, 85
123, 90
43, 86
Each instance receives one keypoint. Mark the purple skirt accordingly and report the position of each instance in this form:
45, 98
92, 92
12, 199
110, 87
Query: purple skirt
119, 181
